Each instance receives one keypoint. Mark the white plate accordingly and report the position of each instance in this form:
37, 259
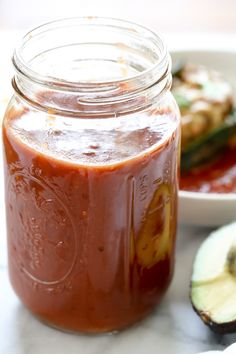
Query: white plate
208, 209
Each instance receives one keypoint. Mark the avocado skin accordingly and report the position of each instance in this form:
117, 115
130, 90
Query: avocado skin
218, 328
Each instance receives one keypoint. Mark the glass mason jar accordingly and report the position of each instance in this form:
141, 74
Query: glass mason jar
91, 150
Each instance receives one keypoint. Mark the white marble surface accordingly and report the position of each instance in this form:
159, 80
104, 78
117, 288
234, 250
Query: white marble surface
173, 328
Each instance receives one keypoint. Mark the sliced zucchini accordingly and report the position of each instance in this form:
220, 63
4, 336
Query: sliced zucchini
153, 240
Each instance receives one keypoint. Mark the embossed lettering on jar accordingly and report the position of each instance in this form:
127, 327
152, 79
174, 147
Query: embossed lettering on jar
91, 141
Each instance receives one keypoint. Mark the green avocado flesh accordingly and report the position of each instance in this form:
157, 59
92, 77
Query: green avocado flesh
213, 284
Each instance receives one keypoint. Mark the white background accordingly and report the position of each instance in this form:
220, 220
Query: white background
163, 15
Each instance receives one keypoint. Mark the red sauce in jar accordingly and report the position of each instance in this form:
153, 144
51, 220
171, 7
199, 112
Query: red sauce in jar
91, 217
218, 177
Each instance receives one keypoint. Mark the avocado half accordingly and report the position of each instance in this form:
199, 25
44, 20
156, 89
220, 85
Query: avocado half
213, 283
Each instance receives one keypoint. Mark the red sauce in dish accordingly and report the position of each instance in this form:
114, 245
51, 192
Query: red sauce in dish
219, 177
91, 220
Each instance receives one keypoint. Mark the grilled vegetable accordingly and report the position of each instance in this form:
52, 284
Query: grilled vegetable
205, 100
209, 145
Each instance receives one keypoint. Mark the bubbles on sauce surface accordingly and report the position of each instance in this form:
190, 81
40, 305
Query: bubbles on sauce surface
92, 141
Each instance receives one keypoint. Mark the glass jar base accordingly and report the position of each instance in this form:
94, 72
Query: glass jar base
95, 331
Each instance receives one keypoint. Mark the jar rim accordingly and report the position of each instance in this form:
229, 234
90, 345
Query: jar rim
22, 67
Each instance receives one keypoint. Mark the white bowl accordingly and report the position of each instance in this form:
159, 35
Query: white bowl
208, 209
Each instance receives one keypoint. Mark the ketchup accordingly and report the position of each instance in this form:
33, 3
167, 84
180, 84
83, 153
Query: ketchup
91, 216
217, 177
